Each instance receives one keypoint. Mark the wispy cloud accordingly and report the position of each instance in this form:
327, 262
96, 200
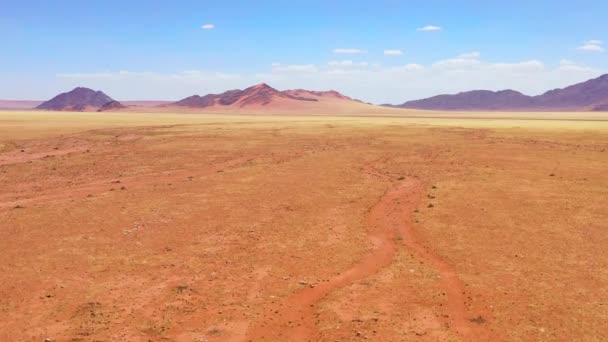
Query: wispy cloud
470, 55
393, 52
349, 51
430, 28
208, 27
149, 75
568, 65
594, 42
347, 63
277, 67
592, 46
407, 67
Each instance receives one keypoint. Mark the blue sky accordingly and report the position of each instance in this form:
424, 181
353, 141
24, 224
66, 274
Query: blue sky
159, 50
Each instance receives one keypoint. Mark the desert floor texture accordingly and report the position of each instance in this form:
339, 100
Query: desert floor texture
161, 227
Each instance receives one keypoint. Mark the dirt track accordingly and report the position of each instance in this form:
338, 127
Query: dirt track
390, 218
319, 230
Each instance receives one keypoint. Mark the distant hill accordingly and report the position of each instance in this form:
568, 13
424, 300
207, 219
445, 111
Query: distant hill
316, 94
579, 96
476, 99
79, 99
255, 96
110, 106
588, 95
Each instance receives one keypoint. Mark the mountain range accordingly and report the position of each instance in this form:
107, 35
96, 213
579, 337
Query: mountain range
585, 96
258, 97
263, 96
591, 95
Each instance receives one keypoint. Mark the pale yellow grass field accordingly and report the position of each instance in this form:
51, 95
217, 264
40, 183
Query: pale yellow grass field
26, 124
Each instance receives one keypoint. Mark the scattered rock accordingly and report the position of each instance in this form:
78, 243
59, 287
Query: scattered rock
479, 320
214, 332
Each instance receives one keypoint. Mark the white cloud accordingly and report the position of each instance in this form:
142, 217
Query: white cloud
470, 55
591, 46
408, 67
594, 42
453, 63
430, 28
568, 65
148, 75
208, 27
349, 51
347, 63
393, 52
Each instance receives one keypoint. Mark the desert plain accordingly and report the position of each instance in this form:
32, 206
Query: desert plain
183, 227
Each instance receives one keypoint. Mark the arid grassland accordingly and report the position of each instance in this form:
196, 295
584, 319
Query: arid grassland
182, 227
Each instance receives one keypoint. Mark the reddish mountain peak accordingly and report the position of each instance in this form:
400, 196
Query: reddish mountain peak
327, 93
261, 86
333, 93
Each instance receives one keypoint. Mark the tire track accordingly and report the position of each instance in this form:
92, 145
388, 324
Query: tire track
293, 319
460, 320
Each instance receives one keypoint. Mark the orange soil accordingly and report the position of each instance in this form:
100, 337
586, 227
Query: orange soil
260, 229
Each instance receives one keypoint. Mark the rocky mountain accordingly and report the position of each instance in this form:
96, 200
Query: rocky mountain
316, 94
587, 95
471, 100
578, 96
258, 95
79, 99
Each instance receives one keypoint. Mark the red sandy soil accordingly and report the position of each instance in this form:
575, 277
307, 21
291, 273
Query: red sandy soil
290, 230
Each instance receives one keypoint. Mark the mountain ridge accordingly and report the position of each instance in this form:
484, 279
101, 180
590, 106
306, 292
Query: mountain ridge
258, 95
588, 95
